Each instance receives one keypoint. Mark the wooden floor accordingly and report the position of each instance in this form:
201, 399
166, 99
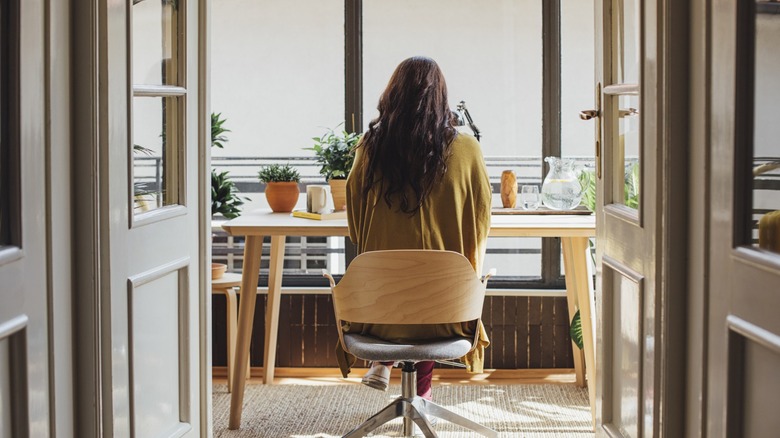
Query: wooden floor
332, 376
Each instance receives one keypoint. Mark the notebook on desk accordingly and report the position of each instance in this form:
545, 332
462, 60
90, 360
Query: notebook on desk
332, 214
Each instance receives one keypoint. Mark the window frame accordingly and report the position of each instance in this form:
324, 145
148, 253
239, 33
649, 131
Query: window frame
178, 94
551, 277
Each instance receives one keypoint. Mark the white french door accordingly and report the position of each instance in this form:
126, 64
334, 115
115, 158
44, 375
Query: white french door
743, 327
640, 215
148, 312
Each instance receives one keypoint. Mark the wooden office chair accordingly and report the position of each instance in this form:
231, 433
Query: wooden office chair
409, 287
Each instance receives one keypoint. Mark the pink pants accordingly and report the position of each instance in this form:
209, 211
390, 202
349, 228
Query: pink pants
424, 375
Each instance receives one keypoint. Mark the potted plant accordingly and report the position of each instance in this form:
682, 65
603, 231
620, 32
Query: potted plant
335, 153
281, 186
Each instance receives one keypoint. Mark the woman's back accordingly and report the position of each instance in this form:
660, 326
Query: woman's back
454, 216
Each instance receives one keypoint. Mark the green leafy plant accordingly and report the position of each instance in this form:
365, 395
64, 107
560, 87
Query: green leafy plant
575, 330
631, 191
224, 199
278, 173
142, 150
218, 137
335, 153
141, 195
588, 183
224, 194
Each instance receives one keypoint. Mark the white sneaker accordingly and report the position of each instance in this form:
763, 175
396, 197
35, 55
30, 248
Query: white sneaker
378, 376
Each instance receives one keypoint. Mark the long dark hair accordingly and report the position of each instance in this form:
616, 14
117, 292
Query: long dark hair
408, 144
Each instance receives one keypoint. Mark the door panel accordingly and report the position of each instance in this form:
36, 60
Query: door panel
24, 373
622, 306
742, 390
158, 303
754, 355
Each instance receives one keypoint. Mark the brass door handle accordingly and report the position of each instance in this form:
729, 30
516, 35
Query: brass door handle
589, 114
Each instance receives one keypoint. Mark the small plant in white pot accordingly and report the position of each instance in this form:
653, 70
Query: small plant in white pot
335, 153
281, 186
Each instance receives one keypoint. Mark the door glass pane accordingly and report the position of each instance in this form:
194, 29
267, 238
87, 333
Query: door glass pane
10, 218
766, 129
277, 77
491, 57
626, 41
628, 115
156, 144
155, 41
622, 128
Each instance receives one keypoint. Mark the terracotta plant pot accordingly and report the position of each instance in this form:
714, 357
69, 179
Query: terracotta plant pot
282, 196
338, 190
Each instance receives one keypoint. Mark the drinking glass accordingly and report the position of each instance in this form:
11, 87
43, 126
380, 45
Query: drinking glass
529, 197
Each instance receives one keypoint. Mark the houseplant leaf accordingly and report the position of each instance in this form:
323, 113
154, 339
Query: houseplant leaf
575, 330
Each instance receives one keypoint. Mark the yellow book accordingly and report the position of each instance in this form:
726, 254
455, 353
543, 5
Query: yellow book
340, 214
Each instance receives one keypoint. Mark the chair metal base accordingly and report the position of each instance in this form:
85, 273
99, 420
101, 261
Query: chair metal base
415, 409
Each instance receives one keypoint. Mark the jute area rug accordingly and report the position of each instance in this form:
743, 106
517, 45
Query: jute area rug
311, 411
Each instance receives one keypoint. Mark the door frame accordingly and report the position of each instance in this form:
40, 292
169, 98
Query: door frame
699, 165
204, 206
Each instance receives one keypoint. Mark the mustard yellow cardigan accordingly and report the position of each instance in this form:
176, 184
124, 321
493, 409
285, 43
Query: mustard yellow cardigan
455, 216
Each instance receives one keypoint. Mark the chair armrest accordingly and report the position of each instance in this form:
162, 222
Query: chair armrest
490, 273
326, 274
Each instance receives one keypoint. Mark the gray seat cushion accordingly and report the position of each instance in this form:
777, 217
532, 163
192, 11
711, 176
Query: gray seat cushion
371, 348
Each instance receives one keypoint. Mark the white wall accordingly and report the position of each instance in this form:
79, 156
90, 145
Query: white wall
577, 77
277, 73
490, 53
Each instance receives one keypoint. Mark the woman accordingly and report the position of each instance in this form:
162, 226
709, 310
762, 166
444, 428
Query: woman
417, 183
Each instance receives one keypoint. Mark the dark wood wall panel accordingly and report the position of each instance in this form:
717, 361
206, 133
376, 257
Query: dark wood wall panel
525, 332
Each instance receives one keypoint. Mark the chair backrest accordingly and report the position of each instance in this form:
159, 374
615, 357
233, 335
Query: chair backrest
409, 287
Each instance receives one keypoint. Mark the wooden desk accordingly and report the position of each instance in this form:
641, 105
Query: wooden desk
574, 231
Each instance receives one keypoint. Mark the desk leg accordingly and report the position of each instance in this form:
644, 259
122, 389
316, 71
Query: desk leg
575, 261
272, 311
572, 301
232, 328
252, 251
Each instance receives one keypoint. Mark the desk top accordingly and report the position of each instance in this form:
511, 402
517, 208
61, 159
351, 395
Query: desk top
266, 223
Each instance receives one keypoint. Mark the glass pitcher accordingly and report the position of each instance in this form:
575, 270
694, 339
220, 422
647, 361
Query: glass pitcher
561, 189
